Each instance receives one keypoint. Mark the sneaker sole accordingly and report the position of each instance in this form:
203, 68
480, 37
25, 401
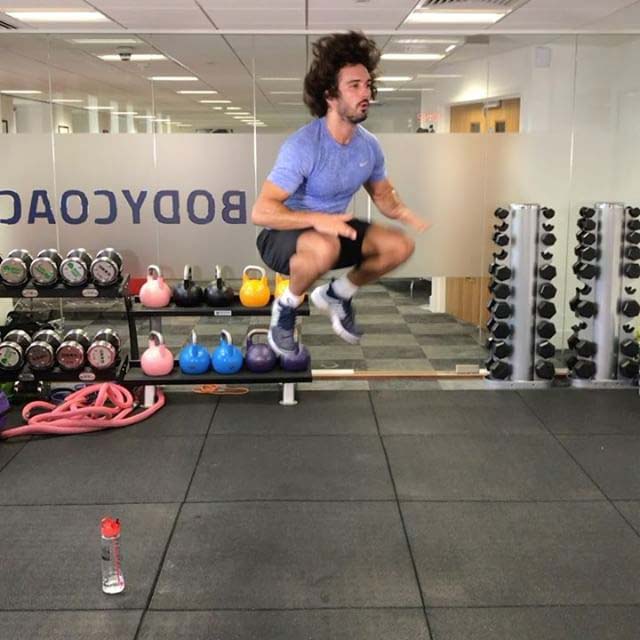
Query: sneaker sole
320, 304
276, 349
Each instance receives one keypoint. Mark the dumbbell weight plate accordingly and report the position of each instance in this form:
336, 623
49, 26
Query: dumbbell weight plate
75, 268
13, 348
105, 268
41, 353
629, 368
545, 370
103, 351
45, 267
14, 269
629, 348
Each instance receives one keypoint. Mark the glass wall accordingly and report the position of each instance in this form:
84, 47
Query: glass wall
159, 144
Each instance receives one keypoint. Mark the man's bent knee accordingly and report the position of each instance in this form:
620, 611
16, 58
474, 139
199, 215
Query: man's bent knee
319, 249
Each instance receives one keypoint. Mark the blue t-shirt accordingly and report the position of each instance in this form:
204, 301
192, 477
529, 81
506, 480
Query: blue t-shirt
320, 174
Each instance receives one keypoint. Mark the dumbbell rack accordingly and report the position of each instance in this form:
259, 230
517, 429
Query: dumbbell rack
29, 291
604, 348
522, 305
135, 375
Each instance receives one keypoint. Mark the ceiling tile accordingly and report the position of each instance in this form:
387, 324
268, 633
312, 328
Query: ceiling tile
252, 5
161, 19
258, 19
628, 18
527, 18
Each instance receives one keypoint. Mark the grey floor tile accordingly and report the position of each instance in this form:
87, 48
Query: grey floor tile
328, 365
404, 384
439, 329
69, 625
389, 329
10, 448
612, 462
586, 411
100, 468
385, 340
486, 467
421, 316
335, 385
53, 561
463, 383
395, 352
524, 623
450, 364
631, 511
454, 351
326, 340
374, 308
451, 412
515, 554
447, 340
292, 468
258, 555
369, 624
366, 318
404, 364
343, 352
317, 413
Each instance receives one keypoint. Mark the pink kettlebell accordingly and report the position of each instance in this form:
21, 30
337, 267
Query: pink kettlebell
155, 292
157, 360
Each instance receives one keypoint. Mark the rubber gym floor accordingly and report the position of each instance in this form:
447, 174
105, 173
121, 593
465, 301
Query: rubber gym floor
367, 513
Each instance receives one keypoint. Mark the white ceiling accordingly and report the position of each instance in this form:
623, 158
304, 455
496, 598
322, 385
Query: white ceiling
227, 63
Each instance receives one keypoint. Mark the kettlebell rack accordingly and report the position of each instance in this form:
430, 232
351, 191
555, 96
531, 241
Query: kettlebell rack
135, 376
29, 291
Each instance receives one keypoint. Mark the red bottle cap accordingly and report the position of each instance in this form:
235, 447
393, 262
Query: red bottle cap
110, 527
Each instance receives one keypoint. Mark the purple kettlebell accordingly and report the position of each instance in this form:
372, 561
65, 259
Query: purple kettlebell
259, 358
299, 360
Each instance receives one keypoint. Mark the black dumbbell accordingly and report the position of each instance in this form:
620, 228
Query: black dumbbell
546, 309
587, 212
586, 253
547, 272
629, 368
500, 290
633, 237
586, 348
585, 270
548, 239
628, 328
585, 291
547, 227
629, 348
587, 224
572, 361
499, 369
634, 212
586, 237
573, 303
499, 348
630, 308
632, 252
547, 291
584, 369
633, 225
499, 309
501, 239
546, 329
545, 369
547, 212
502, 227
630, 290
572, 341
500, 271
586, 309
501, 213
546, 255
545, 349
499, 329
631, 270
501, 255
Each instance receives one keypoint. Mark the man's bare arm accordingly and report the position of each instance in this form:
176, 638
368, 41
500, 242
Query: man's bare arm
388, 202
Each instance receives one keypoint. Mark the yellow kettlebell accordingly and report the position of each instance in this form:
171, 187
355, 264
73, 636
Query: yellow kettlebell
281, 284
254, 292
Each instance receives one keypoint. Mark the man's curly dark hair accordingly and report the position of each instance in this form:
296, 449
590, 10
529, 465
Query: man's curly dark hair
330, 54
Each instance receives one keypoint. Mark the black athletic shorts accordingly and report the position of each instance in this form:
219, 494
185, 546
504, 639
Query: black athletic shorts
277, 246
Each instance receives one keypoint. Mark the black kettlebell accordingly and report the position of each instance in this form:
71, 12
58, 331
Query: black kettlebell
218, 294
187, 293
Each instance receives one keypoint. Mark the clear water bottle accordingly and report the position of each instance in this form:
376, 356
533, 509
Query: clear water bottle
112, 577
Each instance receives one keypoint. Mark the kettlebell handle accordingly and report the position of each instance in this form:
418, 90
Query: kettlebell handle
153, 271
226, 336
186, 276
155, 339
263, 273
254, 332
194, 337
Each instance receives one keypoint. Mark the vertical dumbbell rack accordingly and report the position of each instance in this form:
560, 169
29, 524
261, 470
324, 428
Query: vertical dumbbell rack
522, 307
603, 343
135, 375
29, 291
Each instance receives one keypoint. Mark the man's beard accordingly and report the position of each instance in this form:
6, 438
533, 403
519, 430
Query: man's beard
356, 116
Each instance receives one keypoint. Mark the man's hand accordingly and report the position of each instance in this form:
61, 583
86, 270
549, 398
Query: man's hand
334, 224
409, 218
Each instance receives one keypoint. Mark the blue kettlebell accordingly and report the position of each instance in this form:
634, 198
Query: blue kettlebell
194, 358
226, 358
259, 357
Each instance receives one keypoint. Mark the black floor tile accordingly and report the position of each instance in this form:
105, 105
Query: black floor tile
69, 625
292, 468
524, 623
450, 364
53, 561
287, 555
631, 511
487, 467
393, 352
612, 462
428, 317
451, 412
582, 411
444, 340
100, 468
384, 327
359, 363
9, 448
317, 413
499, 554
369, 624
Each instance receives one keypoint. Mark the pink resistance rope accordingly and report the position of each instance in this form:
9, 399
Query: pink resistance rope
79, 413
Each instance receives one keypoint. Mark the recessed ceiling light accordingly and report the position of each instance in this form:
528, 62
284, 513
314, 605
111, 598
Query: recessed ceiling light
234, 108
240, 113
105, 41
173, 78
144, 117
183, 124
412, 56
440, 75
386, 89
282, 79
429, 16
196, 92
395, 78
425, 41
97, 108
124, 113
214, 101
135, 57
60, 15
21, 92
217, 108
451, 47
161, 120
285, 93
